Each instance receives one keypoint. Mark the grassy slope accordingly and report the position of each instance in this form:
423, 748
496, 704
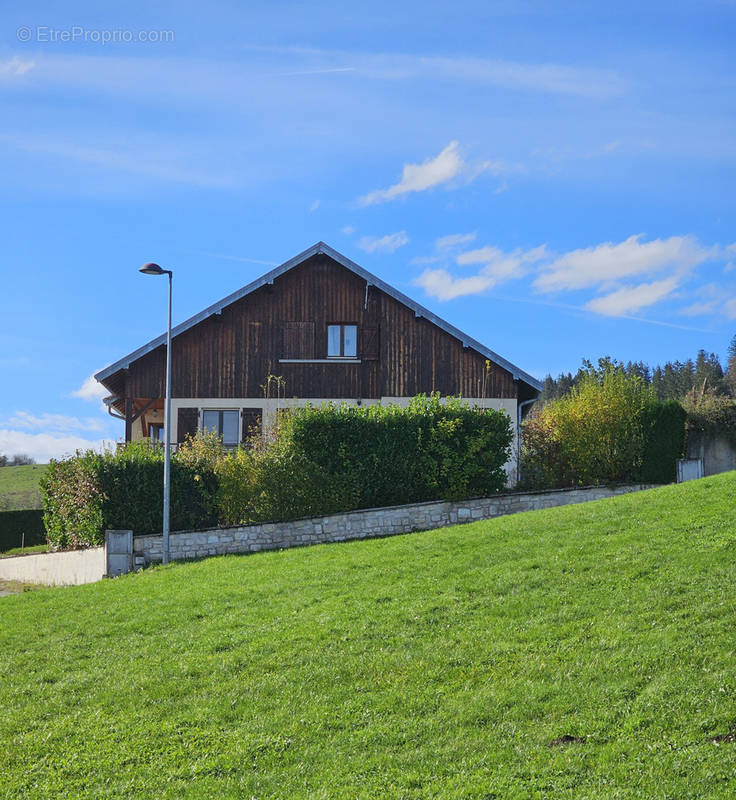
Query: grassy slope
19, 486
441, 664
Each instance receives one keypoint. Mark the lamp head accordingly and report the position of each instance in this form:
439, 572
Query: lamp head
153, 269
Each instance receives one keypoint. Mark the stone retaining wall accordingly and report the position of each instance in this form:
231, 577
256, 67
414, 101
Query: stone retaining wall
360, 524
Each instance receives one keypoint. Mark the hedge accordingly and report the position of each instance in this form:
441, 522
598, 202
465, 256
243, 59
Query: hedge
320, 460
388, 455
13, 524
91, 492
608, 429
663, 426
328, 459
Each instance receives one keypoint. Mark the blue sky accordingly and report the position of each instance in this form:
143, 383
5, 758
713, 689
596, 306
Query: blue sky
555, 179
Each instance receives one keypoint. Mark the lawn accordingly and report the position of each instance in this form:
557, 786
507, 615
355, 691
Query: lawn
19, 486
579, 652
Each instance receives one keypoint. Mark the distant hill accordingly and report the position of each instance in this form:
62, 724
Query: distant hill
19, 486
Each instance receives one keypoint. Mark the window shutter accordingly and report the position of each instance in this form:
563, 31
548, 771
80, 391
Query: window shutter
187, 423
370, 343
298, 340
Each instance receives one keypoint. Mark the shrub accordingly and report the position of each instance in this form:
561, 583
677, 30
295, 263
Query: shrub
388, 455
710, 413
319, 461
608, 429
91, 492
328, 459
663, 427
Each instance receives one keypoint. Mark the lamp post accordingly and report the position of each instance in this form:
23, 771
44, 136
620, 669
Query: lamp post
154, 269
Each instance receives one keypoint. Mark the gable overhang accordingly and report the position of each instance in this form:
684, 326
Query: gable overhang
371, 280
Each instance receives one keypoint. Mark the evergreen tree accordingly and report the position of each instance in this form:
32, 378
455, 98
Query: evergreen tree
732, 366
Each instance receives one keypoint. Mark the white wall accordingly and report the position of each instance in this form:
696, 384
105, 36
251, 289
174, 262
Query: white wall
68, 568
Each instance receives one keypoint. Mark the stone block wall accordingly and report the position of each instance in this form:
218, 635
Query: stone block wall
364, 524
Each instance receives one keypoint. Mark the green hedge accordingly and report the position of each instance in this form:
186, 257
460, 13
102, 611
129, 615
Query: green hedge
91, 492
321, 460
663, 426
13, 524
608, 429
388, 455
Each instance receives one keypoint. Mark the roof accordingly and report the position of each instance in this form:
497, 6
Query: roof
371, 279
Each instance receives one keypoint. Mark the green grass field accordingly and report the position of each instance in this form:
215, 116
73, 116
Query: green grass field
580, 652
19, 486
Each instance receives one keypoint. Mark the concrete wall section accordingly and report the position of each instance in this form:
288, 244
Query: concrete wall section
717, 451
68, 568
359, 524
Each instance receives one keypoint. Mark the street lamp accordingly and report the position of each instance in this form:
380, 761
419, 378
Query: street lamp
154, 269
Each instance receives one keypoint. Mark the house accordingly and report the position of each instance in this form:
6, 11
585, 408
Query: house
318, 328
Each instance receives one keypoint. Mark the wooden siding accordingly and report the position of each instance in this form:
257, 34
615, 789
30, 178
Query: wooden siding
230, 354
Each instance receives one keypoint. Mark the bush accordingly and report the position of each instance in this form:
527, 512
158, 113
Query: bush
328, 459
13, 524
91, 492
709, 412
388, 455
319, 461
663, 427
608, 429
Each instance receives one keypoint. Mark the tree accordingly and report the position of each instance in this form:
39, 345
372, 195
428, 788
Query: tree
732, 366
18, 460
591, 435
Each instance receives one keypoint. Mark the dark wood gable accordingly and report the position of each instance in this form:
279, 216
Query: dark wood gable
281, 329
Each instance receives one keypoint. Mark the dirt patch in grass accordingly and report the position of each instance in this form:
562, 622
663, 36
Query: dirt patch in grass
565, 739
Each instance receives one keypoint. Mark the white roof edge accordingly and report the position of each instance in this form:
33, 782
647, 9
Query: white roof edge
269, 277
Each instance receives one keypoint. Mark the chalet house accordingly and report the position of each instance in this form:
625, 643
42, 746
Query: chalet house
324, 329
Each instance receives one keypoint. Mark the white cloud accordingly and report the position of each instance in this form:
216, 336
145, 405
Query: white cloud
700, 309
348, 230
15, 67
630, 299
420, 177
385, 244
498, 266
91, 390
667, 263
591, 266
440, 284
454, 240
162, 164
445, 167
60, 423
314, 206
44, 446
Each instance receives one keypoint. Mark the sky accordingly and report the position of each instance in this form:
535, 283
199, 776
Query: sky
557, 180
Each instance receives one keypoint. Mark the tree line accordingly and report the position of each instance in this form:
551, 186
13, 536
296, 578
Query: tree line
18, 460
671, 381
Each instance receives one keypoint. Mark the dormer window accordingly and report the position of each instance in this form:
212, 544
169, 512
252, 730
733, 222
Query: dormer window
342, 341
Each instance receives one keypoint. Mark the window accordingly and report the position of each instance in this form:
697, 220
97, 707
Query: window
156, 431
223, 423
342, 341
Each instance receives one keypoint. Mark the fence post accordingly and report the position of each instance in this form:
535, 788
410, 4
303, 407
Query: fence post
118, 553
